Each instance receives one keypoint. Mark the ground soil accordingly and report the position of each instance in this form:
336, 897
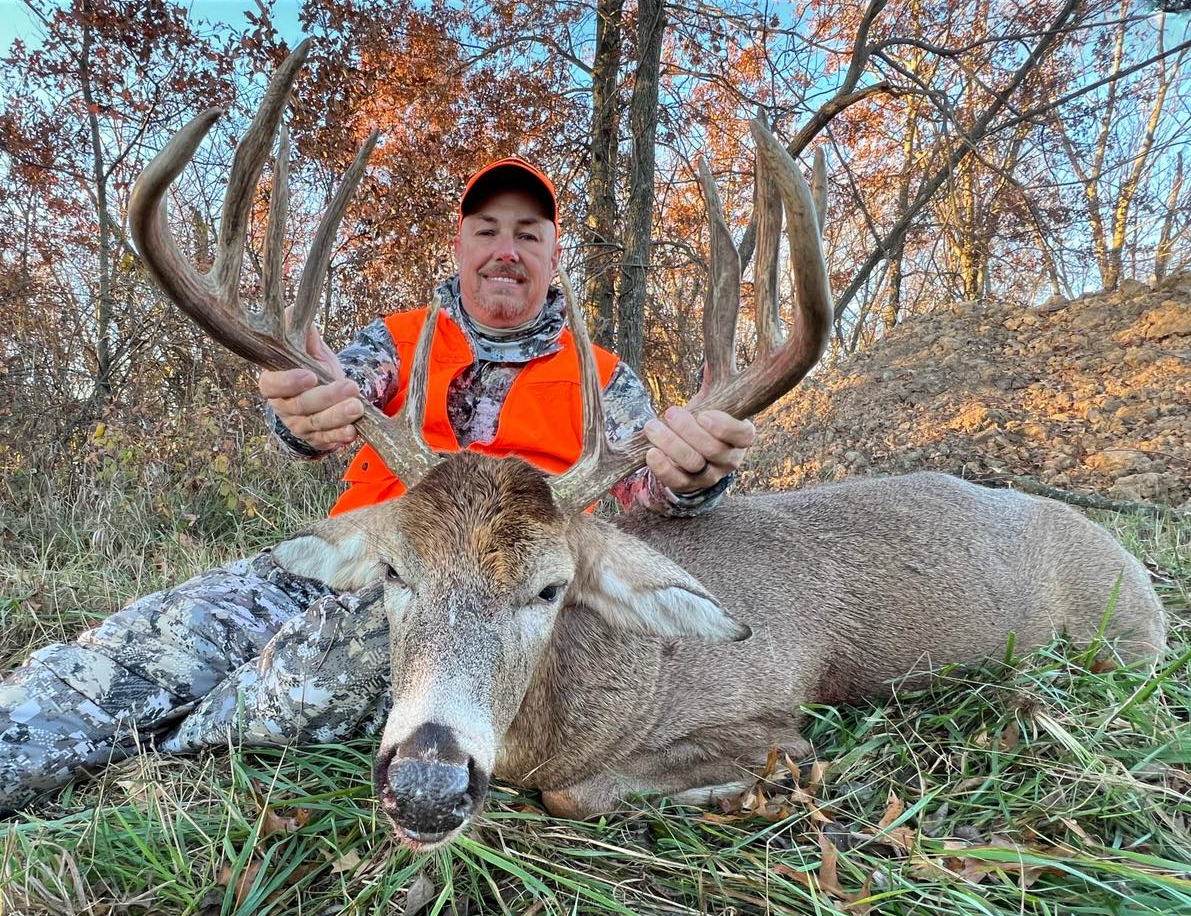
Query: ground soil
1091, 395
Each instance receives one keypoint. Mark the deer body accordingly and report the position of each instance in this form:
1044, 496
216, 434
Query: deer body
843, 590
682, 650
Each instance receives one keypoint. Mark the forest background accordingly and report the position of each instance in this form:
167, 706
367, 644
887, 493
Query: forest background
984, 152
1012, 151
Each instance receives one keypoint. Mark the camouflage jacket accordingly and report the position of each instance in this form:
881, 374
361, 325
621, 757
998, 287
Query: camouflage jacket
477, 394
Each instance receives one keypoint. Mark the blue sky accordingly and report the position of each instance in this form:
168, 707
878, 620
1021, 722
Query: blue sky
17, 22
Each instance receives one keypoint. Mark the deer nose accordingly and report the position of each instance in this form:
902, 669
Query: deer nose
427, 786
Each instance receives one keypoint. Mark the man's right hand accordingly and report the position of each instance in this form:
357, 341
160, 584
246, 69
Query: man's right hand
321, 415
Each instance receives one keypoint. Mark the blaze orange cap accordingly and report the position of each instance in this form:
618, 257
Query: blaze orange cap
511, 173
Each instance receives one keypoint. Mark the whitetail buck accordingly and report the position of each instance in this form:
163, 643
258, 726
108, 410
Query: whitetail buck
594, 659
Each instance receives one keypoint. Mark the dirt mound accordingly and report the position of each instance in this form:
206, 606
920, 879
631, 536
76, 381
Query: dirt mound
1091, 395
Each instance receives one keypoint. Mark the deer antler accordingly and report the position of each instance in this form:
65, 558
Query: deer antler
781, 361
212, 299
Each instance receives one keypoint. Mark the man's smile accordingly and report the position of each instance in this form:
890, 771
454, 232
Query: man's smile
503, 279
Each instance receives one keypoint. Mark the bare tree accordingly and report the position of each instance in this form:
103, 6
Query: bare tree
1110, 187
643, 115
600, 231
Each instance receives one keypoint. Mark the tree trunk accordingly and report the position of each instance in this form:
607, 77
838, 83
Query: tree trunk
600, 231
1166, 236
1120, 213
105, 303
891, 311
643, 120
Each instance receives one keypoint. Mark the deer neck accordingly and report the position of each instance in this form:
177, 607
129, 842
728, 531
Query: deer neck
594, 691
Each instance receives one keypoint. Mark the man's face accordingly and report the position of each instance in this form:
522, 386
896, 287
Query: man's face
506, 252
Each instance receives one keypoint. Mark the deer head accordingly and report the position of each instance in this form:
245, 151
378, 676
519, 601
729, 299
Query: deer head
481, 557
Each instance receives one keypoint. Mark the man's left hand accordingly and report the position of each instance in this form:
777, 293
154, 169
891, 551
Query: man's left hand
692, 453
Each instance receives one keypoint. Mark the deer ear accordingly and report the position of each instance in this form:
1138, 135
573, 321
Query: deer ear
633, 587
338, 551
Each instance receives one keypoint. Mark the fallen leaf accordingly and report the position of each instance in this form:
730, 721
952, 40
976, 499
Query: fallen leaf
828, 875
1010, 736
420, 894
770, 763
827, 879
794, 874
814, 779
933, 825
276, 823
348, 862
816, 814
1076, 829
855, 904
272, 821
903, 838
244, 883
894, 807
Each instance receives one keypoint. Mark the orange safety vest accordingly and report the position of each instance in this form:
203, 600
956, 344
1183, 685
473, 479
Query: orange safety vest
541, 420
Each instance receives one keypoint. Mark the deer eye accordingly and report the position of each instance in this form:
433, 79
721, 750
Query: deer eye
551, 592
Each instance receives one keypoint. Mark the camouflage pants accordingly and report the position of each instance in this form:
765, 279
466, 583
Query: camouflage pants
246, 653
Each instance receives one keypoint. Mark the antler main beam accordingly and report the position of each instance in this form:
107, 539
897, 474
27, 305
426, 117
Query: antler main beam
782, 361
212, 299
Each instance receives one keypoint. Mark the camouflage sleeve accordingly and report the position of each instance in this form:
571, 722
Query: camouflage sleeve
129, 680
628, 409
370, 360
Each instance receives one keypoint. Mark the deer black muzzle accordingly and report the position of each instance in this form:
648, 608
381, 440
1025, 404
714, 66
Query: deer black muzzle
428, 786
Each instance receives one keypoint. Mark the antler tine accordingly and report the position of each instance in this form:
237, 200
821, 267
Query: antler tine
147, 217
770, 377
768, 210
722, 304
273, 304
319, 258
212, 300
251, 153
819, 186
398, 440
600, 464
418, 458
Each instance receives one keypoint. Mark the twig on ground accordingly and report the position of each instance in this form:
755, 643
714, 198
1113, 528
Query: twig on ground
1083, 500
